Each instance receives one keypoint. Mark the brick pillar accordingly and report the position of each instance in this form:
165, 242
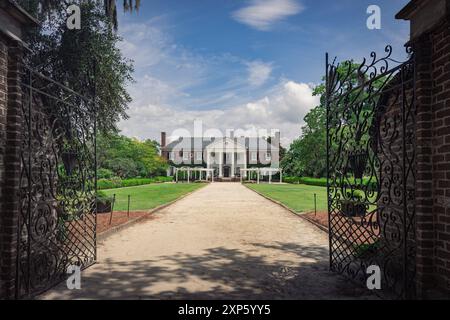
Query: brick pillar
424, 167
430, 40
440, 37
13, 19
3, 101
12, 163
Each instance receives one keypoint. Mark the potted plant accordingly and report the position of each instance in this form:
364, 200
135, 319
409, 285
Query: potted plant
352, 205
367, 250
104, 203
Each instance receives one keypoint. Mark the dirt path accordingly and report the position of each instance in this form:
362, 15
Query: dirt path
222, 242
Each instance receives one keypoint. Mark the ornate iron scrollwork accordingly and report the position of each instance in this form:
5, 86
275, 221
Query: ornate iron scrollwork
371, 174
57, 222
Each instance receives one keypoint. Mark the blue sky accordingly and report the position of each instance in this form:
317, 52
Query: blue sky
242, 64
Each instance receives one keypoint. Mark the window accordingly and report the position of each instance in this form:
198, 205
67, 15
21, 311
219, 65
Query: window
185, 156
172, 156
254, 156
268, 156
199, 156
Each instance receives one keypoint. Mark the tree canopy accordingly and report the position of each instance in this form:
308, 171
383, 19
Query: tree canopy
109, 7
123, 157
87, 60
307, 154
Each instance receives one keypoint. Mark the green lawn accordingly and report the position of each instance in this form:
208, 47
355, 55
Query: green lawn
298, 197
149, 196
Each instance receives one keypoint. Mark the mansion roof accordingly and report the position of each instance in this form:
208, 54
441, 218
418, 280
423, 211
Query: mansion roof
198, 143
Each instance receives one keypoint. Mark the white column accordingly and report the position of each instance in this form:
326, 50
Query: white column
208, 164
270, 177
233, 154
221, 165
245, 163
257, 176
189, 174
281, 175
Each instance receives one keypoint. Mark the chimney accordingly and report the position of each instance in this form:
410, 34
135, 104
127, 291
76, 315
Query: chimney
164, 153
277, 141
163, 139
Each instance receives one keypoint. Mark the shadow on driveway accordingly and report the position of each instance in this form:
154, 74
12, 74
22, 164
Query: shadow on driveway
219, 273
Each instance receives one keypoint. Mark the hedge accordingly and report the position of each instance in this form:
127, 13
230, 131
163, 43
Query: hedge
115, 183
320, 182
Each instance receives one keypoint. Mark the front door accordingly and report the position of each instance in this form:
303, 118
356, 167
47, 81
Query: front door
226, 172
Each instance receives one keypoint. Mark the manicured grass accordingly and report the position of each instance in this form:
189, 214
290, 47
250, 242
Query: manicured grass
297, 197
149, 196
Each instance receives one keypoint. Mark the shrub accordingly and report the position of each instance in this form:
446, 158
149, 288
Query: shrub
367, 250
322, 182
104, 202
102, 196
103, 184
104, 173
292, 180
115, 183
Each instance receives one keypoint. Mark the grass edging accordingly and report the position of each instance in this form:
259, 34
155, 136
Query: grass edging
298, 214
105, 234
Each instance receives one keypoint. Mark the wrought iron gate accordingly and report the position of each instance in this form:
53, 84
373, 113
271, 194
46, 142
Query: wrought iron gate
57, 219
371, 170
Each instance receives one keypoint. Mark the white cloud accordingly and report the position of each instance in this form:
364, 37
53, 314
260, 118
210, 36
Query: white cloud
157, 44
258, 72
284, 109
262, 14
176, 86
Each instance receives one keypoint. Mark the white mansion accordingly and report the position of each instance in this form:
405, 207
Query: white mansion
227, 157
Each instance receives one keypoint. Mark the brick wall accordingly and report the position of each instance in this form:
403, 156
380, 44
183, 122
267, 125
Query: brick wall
10, 131
433, 160
424, 173
3, 101
12, 165
440, 72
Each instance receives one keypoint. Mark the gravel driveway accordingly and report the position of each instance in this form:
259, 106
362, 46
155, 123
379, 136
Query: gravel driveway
222, 242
